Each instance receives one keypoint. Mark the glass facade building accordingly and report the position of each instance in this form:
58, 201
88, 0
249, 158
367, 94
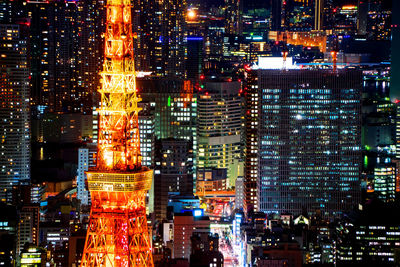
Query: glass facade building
309, 140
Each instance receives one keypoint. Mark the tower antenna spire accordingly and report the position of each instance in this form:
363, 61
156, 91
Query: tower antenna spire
117, 233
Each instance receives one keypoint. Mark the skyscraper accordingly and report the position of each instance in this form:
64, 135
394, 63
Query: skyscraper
147, 17
174, 104
251, 169
309, 140
219, 128
14, 110
89, 55
173, 35
40, 66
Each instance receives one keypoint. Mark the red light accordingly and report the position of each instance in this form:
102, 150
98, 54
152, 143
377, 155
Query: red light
202, 77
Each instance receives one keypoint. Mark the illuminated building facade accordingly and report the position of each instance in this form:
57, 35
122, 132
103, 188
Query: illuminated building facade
39, 53
385, 182
345, 21
33, 257
251, 169
368, 243
147, 17
117, 234
173, 172
219, 128
233, 17
309, 140
28, 227
375, 19
14, 110
174, 106
147, 136
173, 35
89, 55
211, 181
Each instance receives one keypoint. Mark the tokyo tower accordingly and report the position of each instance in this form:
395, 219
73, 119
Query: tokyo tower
117, 233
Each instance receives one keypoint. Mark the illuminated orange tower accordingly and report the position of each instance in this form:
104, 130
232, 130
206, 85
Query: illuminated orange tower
117, 233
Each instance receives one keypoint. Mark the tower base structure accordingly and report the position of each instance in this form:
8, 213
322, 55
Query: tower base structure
117, 234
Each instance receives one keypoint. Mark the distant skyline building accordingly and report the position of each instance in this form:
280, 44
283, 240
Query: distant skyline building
173, 38
14, 110
233, 17
309, 140
89, 57
147, 18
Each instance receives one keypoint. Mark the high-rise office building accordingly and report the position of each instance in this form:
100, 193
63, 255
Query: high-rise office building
173, 172
14, 110
309, 140
147, 17
39, 57
219, 128
251, 169
65, 53
174, 106
173, 38
89, 55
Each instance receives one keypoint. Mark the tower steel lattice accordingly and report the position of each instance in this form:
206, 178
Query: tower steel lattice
117, 233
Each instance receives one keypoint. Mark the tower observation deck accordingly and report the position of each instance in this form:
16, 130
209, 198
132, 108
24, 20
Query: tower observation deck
117, 233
